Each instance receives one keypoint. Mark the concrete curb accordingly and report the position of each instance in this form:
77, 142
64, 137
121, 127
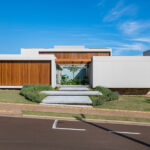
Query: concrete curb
88, 120
74, 119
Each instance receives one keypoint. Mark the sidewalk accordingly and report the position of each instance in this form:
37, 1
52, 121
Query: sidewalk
16, 109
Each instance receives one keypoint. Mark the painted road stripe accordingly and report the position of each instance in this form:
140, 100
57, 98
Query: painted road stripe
122, 132
55, 127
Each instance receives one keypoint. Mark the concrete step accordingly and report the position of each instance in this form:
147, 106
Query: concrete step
87, 106
74, 86
73, 89
67, 100
71, 93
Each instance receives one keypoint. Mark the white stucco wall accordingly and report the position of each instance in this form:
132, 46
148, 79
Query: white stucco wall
121, 71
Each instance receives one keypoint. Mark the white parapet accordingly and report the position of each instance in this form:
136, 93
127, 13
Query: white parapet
35, 51
27, 57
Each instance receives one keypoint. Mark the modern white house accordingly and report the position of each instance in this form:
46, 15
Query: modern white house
63, 64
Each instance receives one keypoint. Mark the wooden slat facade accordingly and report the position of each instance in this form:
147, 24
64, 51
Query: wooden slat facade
17, 73
73, 61
71, 57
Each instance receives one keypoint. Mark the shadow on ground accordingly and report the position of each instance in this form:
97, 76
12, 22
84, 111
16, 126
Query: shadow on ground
110, 131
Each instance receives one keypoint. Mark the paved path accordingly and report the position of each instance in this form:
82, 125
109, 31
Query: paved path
72, 95
16, 108
67, 99
37, 134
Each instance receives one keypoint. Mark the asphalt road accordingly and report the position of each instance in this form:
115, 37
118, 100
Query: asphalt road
38, 134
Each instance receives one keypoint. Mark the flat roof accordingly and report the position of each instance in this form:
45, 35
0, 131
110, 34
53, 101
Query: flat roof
121, 58
69, 49
25, 57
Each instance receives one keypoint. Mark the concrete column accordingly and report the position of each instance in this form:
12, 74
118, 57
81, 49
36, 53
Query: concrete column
53, 73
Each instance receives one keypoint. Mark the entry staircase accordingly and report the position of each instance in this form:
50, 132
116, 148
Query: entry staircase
70, 95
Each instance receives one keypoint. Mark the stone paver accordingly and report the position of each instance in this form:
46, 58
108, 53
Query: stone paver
85, 106
73, 89
71, 93
67, 100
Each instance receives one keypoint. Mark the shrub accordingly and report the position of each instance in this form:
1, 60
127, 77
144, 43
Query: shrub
108, 95
63, 79
32, 92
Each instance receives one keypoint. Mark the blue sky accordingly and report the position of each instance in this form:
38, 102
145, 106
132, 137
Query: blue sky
123, 25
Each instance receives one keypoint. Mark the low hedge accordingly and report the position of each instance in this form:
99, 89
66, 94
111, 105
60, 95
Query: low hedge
108, 95
32, 92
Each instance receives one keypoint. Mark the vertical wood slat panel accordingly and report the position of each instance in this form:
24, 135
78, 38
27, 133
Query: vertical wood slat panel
0, 73
25, 72
4, 73
8, 73
33, 72
45, 75
15, 73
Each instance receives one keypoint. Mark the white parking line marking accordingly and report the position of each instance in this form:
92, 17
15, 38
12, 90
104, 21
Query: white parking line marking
124, 132
55, 127
54, 124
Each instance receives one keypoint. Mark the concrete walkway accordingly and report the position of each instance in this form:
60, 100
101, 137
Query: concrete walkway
70, 95
73, 88
68, 99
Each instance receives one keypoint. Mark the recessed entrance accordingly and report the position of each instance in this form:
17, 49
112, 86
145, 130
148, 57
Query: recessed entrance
72, 74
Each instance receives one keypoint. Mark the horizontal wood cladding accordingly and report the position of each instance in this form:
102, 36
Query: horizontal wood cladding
25, 72
61, 56
73, 61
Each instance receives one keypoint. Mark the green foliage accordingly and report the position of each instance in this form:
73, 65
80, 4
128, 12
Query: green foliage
108, 95
75, 81
84, 81
73, 69
32, 92
63, 79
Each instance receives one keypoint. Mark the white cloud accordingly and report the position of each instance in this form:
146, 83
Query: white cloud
130, 27
142, 40
134, 27
133, 47
118, 11
128, 47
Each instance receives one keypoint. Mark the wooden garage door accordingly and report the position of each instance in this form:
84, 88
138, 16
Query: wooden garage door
25, 72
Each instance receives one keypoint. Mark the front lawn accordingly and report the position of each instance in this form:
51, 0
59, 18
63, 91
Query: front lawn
139, 103
13, 96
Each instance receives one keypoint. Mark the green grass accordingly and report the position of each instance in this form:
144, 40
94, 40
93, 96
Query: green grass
38, 113
138, 103
13, 96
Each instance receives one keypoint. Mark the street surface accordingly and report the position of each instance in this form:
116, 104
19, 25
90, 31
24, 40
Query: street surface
42, 134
